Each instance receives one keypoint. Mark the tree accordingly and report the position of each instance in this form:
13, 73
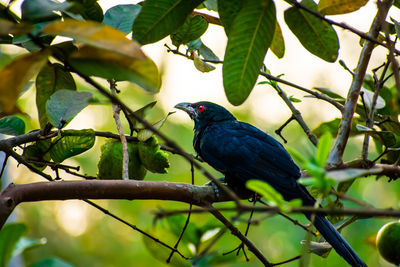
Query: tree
100, 48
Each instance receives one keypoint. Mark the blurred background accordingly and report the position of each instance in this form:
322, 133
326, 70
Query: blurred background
83, 236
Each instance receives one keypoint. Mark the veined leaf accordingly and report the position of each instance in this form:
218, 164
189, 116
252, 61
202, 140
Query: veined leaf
316, 35
192, 29
160, 18
227, 11
88, 10
336, 7
9, 236
73, 142
248, 41
12, 125
121, 17
15, 75
111, 65
64, 105
51, 78
42, 10
97, 35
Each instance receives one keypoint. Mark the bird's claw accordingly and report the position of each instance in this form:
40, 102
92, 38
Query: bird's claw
215, 186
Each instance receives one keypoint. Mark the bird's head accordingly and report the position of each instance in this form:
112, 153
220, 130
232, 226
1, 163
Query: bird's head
205, 112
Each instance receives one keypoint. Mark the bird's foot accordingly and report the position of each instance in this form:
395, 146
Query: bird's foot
215, 186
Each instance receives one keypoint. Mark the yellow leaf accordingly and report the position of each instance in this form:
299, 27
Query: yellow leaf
98, 35
15, 75
201, 65
278, 45
16, 29
336, 7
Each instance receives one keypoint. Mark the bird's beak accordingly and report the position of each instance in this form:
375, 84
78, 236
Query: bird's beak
187, 107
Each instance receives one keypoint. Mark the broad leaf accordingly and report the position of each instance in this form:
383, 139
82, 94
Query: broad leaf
160, 18
15, 75
316, 35
278, 44
368, 98
227, 11
323, 148
97, 35
25, 244
51, 78
121, 17
336, 7
72, 143
385, 137
192, 29
16, 29
112, 65
64, 105
9, 236
141, 112
51, 262
248, 41
42, 10
202, 65
88, 10
12, 125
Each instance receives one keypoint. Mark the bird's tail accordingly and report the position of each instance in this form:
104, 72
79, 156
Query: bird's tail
333, 237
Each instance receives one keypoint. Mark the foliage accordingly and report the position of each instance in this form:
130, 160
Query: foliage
106, 48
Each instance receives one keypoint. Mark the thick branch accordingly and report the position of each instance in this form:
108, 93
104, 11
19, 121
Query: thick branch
335, 157
105, 189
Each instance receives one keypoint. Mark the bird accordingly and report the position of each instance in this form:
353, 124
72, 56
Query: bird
242, 152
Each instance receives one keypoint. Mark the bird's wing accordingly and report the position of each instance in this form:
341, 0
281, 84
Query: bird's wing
240, 149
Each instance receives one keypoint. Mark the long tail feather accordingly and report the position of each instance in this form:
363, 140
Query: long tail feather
333, 237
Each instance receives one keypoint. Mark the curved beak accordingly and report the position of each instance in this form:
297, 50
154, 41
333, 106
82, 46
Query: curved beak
187, 107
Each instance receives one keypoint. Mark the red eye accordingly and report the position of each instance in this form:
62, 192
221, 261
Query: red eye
201, 108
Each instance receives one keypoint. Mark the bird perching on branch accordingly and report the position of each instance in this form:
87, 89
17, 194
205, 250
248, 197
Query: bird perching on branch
242, 152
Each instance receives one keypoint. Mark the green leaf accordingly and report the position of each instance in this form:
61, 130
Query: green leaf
192, 233
64, 105
248, 42
385, 137
266, 191
278, 44
328, 92
294, 100
192, 29
152, 157
9, 237
112, 65
316, 35
15, 75
159, 18
323, 148
12, 125
227, 11
88, 10
297, 156
51, 78
51, 262
16, 29
211, 5
336, 7
207, 53
25, 244
121, 17
42, 10
72, 143
396, 26
350, 174
97, 35
141, 112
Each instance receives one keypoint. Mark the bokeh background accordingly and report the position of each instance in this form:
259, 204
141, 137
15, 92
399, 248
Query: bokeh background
83, 236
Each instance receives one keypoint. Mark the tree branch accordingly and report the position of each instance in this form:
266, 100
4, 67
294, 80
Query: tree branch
335, 156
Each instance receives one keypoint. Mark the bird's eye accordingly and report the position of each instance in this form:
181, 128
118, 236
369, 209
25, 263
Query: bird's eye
201, 108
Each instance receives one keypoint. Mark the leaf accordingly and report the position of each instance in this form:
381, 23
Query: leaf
227, 11
202, 65
121, 17
145, 134
112, 65
316, 35
25, 244
297, 156
192, 233
42, 10
152, 157
266, 191
64, 105
51, 262
396, 26
278, 44
159, 18
51, 78
336, 7
192, 29
328, 92
248, 42
319, 248
323, 148
368, 97
207, 53
72, 143
211, 5
385, 137
97, 35
15, 75
9, 236
16, 29
88, 10
12, 125
294, 100
350, 174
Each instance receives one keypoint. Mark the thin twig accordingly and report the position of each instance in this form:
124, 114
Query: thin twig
279, 130
3, 167
287, 261
349, 198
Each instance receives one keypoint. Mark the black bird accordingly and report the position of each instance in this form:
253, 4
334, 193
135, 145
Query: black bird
242, 152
